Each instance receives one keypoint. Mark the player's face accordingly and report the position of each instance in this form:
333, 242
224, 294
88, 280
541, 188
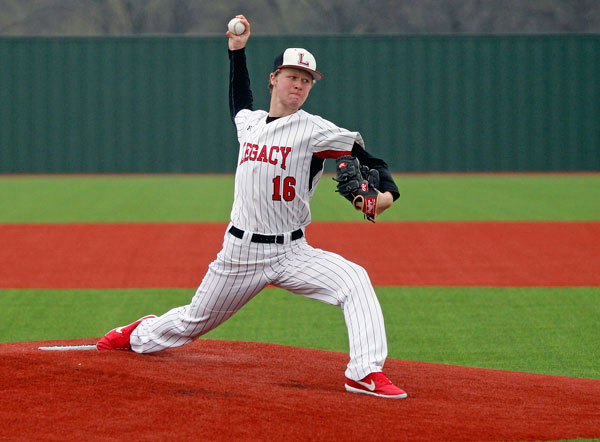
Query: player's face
291, 87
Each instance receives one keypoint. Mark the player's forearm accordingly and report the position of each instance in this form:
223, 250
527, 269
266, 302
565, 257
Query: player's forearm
385, 201
240, 94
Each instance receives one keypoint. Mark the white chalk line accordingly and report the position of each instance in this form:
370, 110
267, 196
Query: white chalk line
68, 347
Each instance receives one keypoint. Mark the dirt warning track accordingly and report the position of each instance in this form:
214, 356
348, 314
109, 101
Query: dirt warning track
147, 255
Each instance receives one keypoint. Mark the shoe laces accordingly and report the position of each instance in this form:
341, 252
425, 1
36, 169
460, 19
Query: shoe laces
381, 378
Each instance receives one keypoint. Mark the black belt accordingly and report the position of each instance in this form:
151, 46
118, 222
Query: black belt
266, 239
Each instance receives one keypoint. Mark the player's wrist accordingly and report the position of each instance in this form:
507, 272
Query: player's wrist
385, 201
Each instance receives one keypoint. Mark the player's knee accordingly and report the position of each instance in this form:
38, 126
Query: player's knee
360, 275
358, 283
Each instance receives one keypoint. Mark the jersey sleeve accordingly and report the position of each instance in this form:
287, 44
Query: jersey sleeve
240, 122
331, 141
245, 120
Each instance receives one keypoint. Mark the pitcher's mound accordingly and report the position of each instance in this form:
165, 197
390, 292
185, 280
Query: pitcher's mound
221, 390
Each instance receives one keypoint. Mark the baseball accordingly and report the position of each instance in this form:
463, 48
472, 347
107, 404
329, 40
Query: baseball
236, 26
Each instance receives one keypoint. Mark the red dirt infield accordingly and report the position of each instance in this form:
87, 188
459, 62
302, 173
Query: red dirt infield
220, 390
134, 255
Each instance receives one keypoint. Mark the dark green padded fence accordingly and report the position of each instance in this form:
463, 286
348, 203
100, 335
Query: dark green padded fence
424, 103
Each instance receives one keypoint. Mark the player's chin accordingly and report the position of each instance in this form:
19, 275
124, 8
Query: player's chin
295, 102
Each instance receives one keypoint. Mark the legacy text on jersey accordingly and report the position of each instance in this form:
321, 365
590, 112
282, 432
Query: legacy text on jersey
274, 152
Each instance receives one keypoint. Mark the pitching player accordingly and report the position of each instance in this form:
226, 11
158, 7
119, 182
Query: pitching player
280, 161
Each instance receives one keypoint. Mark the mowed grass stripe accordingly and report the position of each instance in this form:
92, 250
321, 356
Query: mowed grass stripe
537, 330
197, 198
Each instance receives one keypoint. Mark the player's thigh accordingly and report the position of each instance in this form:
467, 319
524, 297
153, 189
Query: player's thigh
230, 281
323, 275
227, 291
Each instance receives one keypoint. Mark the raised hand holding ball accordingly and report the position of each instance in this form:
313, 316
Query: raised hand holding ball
238, 31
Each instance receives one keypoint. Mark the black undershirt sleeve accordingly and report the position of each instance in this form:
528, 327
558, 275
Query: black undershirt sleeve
240, 94
386, 181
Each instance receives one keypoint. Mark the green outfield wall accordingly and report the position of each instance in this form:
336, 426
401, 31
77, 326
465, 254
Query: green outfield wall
424, 103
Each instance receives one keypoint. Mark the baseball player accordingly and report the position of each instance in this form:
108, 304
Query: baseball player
280, 161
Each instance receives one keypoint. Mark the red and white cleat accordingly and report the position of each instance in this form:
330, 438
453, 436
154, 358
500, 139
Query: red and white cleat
118, 338
375, 384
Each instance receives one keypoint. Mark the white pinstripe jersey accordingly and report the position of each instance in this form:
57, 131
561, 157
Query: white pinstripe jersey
272, 189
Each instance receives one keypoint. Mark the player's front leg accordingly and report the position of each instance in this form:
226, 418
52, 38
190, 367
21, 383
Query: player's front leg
368, 344
330, 278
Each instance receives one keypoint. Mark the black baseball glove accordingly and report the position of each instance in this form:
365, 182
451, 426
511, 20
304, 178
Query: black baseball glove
358, 184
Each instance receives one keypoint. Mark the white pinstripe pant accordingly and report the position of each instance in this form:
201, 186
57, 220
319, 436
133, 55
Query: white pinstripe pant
243, 268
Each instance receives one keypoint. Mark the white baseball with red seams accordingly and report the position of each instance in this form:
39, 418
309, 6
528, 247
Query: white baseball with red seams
235, 26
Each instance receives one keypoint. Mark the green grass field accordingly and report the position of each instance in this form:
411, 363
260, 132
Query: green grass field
541, 330
189, 198
550, 330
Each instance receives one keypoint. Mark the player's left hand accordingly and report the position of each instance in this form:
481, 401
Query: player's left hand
358, 184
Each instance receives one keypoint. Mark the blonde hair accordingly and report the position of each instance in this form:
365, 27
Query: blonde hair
275, 74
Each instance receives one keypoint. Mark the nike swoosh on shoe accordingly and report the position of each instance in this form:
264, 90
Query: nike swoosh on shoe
370, 387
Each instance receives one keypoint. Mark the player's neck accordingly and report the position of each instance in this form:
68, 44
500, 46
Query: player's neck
281, 113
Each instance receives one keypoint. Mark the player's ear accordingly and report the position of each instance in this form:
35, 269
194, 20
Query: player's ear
271, 81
